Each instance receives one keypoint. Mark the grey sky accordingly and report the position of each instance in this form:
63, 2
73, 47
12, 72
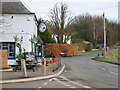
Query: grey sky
76, 7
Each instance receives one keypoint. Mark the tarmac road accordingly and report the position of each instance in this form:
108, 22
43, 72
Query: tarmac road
80, 72
92, 73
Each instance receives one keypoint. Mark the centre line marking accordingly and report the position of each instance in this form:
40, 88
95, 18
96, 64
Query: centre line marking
102, 68
75, 82
45, 83
113, 73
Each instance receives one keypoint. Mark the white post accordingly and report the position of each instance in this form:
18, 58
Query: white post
104, 35
23, 68
43, 66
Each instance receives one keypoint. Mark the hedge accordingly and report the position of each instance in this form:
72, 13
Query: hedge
65, 50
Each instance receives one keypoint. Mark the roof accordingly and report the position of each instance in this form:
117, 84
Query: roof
13, 7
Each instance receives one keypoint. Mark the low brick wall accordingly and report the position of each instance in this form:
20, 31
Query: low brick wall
61, 50
3, 59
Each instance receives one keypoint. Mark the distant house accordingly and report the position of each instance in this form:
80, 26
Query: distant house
17, 21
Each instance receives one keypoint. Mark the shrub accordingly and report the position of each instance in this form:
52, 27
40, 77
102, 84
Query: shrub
88, 47
57, 49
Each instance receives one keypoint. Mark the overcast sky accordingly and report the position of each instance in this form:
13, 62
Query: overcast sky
76, 7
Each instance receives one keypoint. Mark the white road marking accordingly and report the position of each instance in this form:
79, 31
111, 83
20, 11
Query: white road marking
59, 81
50, 80
102, 68
113, 73
109, 71
65, 84
72, 87
45, 83
75, 82
38, 88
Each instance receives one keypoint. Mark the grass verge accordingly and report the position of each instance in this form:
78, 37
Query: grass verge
93, 51
103, 59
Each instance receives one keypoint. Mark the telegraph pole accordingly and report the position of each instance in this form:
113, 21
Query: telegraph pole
104, 34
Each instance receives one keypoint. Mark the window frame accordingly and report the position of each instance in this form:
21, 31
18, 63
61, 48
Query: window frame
8, 44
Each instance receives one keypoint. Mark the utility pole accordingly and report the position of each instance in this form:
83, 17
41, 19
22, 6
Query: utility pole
104, 35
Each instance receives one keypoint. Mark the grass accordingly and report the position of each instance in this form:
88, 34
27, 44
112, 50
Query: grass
116, 52
93, 51
98, 58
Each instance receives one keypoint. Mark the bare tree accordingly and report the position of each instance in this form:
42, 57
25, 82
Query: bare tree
60, 20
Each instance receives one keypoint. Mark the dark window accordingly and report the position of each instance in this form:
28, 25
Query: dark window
39, 50
10, 46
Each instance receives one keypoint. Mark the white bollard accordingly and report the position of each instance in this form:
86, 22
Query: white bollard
44, 66
23, 68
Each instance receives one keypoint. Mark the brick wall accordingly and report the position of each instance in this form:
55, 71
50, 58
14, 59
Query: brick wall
3, 59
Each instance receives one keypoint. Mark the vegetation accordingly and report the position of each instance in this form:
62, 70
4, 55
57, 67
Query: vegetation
88, 47
83, 27
112, 56
106, 60
116, 53
90, 28
93, 51
18, 41
45, 37
60, 20
21, 55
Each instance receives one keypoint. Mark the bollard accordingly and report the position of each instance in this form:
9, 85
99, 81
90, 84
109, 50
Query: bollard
43, 66
51, 66
23, 68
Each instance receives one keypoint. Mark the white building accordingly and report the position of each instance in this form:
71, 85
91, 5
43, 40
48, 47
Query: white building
16, 20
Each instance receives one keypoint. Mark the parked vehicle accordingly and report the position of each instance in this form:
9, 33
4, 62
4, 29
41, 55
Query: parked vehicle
100, 45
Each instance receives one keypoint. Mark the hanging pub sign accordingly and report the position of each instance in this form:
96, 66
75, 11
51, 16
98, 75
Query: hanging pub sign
42, 27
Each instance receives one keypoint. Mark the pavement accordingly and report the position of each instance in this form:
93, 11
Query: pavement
9, 76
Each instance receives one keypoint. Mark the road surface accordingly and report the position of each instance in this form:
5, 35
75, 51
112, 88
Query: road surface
80, 72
